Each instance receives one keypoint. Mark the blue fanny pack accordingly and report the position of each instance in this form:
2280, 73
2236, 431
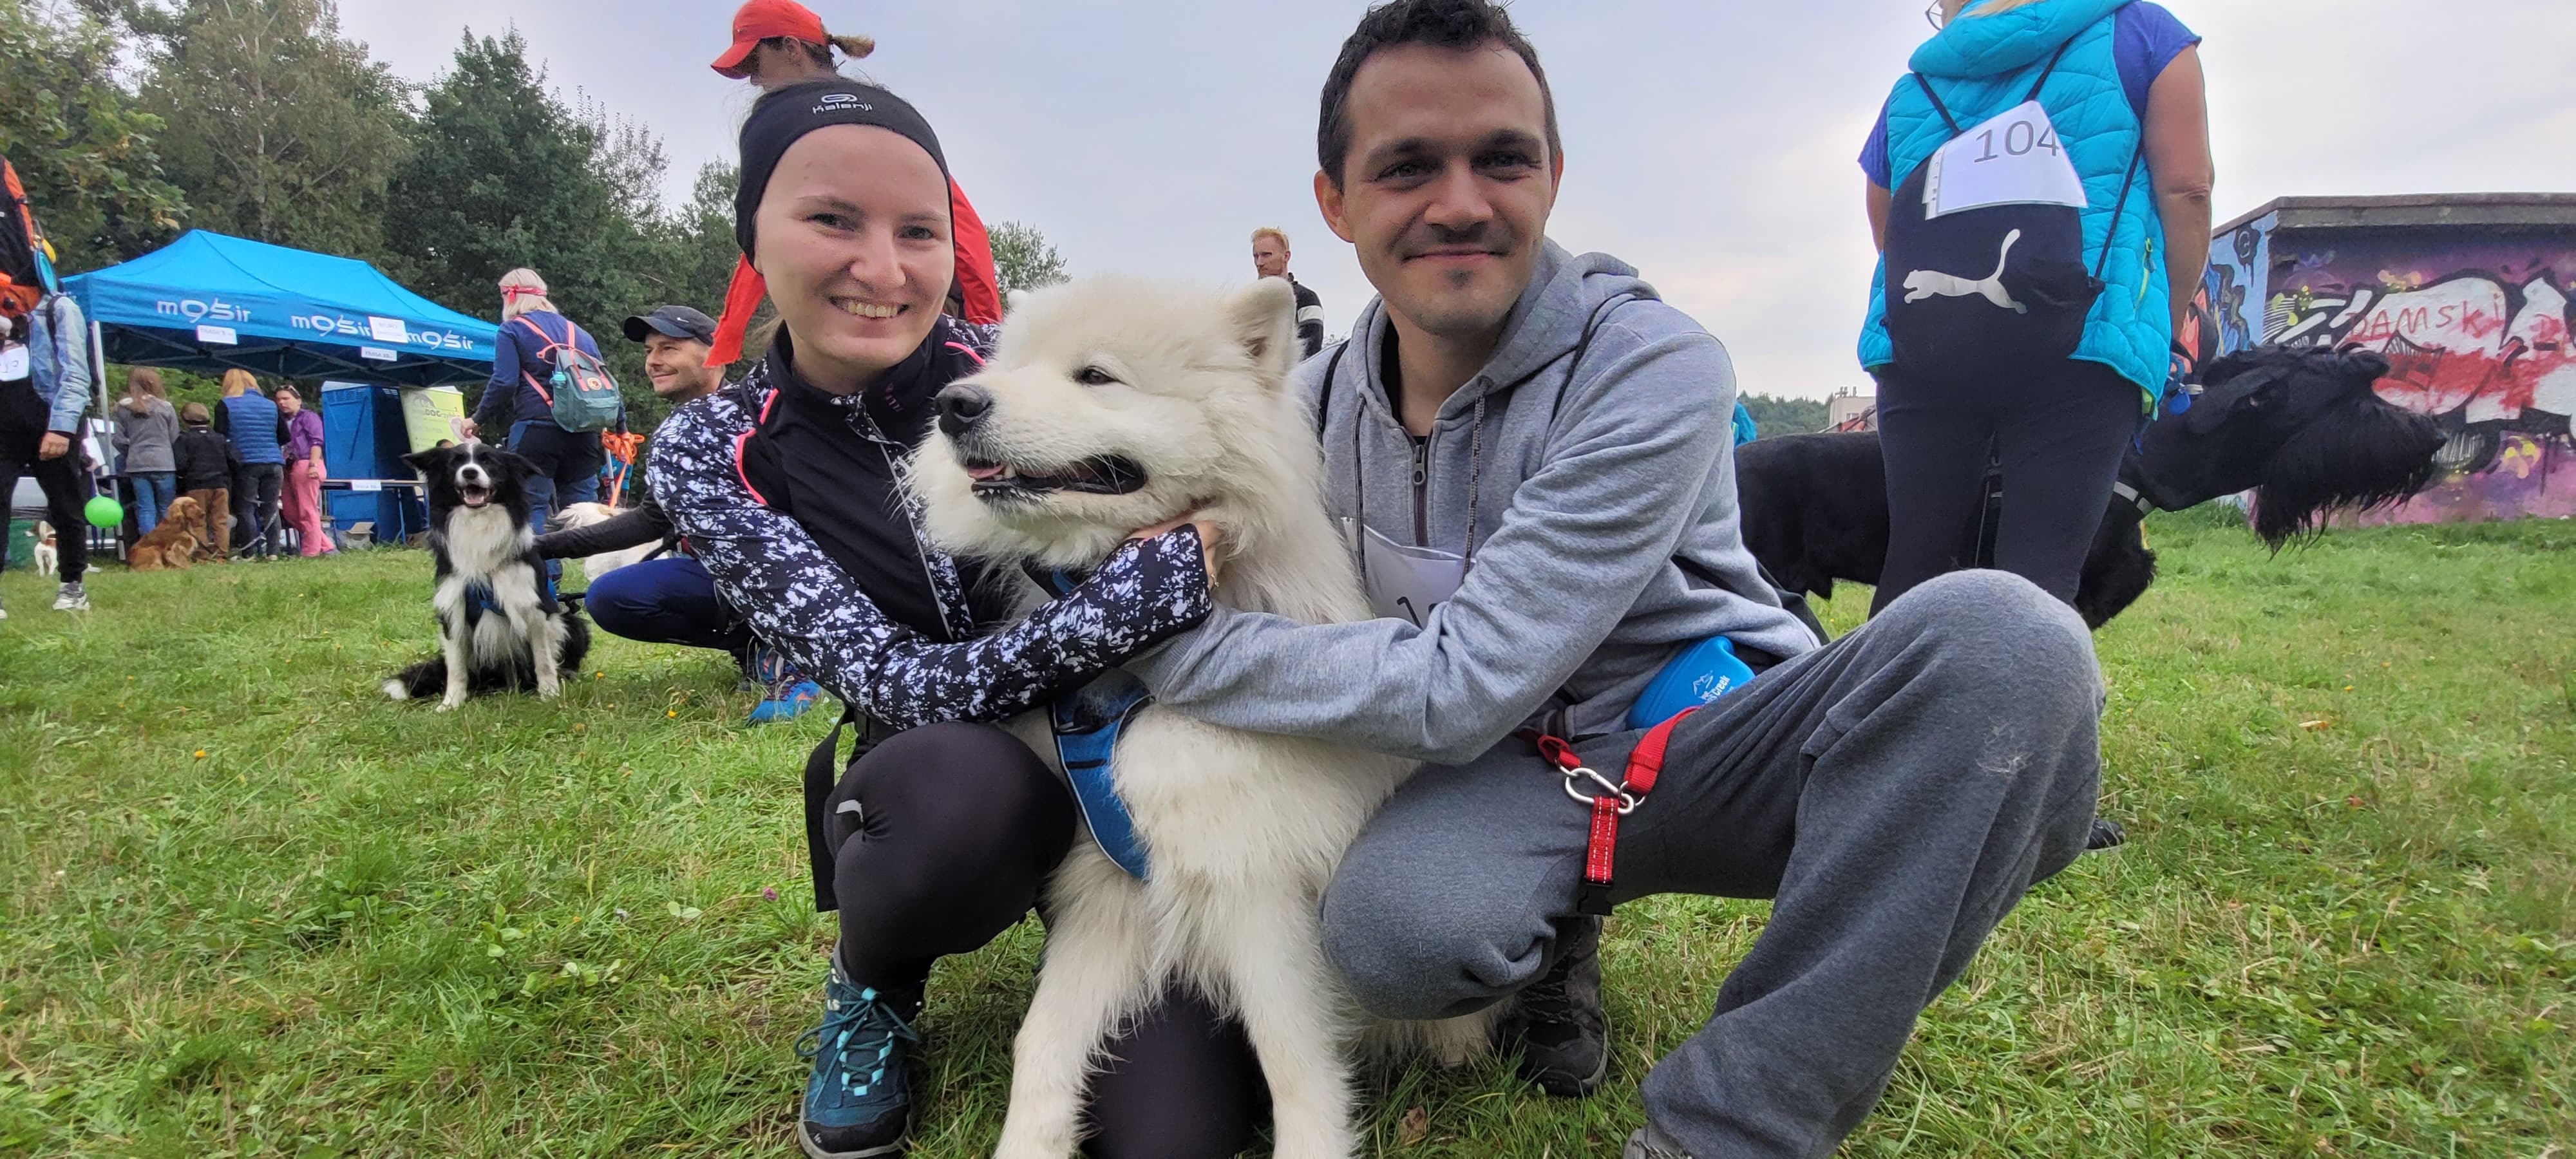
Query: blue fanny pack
1702, 673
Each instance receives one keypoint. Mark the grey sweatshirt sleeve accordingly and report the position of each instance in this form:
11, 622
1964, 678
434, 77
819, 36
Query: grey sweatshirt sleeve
1583, 536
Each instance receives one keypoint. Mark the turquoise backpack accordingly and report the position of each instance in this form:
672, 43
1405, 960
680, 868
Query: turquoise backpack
584, 395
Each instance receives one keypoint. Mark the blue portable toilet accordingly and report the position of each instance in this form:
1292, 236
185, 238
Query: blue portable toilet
362, 431
363, 440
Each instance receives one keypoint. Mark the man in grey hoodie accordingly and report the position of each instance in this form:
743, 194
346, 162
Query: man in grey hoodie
1531, 457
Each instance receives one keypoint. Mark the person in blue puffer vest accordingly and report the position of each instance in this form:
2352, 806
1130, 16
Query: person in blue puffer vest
257, 430
2125, 95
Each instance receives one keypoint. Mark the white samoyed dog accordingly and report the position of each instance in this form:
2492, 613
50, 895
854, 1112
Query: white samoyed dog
1112, 405
588, 514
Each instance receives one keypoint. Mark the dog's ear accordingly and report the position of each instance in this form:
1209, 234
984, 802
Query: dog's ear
1265, 321
427, 462
2243, 394
513, 464
2361, 369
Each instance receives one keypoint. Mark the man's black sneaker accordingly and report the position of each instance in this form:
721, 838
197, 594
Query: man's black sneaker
1649, 1143
858, 1101
1563, 1033
2106, 834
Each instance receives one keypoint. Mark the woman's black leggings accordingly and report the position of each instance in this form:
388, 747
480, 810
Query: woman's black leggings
2060, 436
954, 831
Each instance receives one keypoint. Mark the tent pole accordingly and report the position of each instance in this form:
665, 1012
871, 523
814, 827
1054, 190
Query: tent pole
98, 367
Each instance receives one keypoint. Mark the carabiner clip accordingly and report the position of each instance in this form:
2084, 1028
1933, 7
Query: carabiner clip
1627, 800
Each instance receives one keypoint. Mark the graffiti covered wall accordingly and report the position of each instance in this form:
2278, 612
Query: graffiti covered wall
2475, 324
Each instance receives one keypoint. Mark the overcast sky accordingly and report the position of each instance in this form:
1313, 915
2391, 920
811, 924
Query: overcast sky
1710, 143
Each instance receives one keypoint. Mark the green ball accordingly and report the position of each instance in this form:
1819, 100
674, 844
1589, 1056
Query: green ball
104, 512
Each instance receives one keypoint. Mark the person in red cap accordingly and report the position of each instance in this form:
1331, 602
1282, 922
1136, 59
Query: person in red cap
777, 43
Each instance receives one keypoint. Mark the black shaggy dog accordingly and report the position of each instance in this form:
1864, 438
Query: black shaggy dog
2302, 429
501, 627
2299, 426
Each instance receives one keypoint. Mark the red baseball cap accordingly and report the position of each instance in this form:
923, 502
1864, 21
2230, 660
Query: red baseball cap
760, 20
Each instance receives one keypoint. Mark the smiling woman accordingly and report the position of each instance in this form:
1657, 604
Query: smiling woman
789, 489
857, 271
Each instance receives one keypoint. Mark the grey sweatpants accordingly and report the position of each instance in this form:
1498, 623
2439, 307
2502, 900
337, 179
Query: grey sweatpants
1894, 792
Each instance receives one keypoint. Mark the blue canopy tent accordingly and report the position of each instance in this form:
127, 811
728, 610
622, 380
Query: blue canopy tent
211, 302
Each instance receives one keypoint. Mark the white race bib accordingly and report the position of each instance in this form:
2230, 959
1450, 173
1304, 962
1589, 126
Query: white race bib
2014, 159
13, 363
1405, 583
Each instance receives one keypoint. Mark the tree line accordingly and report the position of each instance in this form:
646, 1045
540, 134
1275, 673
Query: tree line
131, 121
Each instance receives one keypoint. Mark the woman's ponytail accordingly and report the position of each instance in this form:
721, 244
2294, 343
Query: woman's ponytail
854, 47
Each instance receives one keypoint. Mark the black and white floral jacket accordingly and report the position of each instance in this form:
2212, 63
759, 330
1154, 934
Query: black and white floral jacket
803, 604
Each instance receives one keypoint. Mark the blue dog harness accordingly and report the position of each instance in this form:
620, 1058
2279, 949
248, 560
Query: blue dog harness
1086, 724
480, 598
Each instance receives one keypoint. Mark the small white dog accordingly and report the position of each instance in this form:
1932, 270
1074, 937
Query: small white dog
46, 555
585, 515
1112, 405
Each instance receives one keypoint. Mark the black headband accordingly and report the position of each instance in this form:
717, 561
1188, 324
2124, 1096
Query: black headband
783, 116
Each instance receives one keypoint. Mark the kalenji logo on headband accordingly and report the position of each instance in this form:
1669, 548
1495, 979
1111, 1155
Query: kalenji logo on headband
842, 102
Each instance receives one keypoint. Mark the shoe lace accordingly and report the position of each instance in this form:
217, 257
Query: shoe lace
865, 1030
1550, 1000
1547, 1000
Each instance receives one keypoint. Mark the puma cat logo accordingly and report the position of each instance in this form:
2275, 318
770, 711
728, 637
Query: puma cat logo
1923, 284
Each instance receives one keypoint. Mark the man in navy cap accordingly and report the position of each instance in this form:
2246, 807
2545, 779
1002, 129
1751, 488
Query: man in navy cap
675, 341
670, 599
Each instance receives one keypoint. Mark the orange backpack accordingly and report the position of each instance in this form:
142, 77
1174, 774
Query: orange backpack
26, 270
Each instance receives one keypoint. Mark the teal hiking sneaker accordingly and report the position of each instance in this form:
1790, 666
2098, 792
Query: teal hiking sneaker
786, 693
786, 702
858, 1101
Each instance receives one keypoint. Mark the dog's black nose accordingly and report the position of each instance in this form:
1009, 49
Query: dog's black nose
960, 406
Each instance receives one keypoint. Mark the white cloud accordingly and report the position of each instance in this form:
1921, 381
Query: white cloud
1709, 144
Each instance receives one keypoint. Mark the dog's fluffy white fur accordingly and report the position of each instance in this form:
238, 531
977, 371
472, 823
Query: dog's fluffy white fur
1243, 829
594, 566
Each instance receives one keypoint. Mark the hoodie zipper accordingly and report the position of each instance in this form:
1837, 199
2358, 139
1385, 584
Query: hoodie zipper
1422, 491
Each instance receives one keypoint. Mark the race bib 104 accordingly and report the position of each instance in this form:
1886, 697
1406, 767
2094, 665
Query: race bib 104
2014, 159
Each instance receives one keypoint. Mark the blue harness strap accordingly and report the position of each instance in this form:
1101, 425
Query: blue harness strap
1086, 724
478, 600
479, 597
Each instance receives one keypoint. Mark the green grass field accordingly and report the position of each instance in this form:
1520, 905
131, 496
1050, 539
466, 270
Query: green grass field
247, 907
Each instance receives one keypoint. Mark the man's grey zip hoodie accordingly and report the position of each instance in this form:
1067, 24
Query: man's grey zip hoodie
1604, 505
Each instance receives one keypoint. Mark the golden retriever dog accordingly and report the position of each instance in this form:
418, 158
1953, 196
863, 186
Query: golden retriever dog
174, 542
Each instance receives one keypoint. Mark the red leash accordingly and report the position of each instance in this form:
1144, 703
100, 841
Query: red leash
1609, 803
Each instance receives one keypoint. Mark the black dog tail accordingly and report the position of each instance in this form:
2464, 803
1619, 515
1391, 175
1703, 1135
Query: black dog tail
425, 679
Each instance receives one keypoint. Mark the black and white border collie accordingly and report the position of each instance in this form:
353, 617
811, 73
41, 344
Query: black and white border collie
502, 628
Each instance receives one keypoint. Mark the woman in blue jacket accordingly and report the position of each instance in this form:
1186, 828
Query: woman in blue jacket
2121, 86
257, 430
516, 406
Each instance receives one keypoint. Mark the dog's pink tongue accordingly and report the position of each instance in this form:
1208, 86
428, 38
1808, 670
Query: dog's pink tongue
986, 474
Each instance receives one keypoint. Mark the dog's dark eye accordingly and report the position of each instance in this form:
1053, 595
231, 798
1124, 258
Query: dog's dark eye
1093, 376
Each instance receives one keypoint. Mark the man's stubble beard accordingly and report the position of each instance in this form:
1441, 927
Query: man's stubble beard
1458, 319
